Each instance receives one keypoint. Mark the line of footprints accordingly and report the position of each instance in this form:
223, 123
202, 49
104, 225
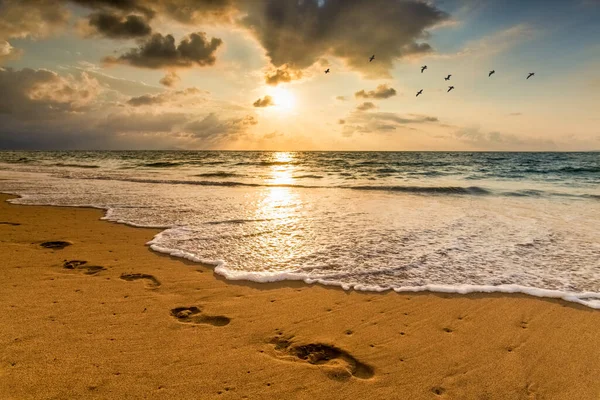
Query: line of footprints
335, 363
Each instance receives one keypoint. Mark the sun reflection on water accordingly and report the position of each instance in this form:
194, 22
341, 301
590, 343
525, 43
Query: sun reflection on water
282, 169
280, 206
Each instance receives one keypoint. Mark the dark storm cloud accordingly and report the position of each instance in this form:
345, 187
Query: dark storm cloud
161, 52
366, 106
298, 33
382, 92
267, 101
118, 27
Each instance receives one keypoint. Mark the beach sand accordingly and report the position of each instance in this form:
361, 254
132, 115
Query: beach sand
177, 330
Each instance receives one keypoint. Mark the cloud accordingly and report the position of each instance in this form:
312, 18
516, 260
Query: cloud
190, 12
283, 74
125, 87
37, 94
195, 12
40, 109
160, 52
7, 52
213, 129
142, 122
382, 92
341, 98
126, 6
116, 26
171, 79
267, 101
500, 141
31, 18
299, 33
190, 96
366, 106
374, 122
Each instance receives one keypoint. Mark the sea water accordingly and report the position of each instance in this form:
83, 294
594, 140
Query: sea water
405, 221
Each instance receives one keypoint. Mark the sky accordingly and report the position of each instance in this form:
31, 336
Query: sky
250, 75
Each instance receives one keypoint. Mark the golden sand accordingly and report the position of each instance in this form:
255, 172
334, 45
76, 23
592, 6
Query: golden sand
148, 326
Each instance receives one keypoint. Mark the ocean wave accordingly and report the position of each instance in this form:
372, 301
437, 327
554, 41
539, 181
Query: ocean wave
220, 174
162, 164
266, 163
90, 166
433, 190
588, 299
308, 177
472, 190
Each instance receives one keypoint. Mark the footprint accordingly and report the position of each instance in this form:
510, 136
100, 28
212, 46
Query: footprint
55, 245
191, 315
9, 223
153, 282
82, 266
337, 363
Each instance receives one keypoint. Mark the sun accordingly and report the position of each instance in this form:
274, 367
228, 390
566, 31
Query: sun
284, 99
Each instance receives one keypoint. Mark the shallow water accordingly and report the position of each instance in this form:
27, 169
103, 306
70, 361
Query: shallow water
458, 222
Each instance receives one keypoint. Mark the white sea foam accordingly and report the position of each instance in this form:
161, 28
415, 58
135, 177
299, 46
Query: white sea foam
358, 240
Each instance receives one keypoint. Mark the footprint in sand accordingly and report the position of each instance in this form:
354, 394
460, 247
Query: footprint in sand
80, 265
9, 223
336, 363
55, 245
152, 282
191, 315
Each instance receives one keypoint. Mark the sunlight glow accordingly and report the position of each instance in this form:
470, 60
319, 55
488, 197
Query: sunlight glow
283, 98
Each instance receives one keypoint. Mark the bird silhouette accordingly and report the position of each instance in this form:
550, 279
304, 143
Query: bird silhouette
448, 77
327, 71
419, 92
372, 58
492, 72
423, 68
450, 88
530, 75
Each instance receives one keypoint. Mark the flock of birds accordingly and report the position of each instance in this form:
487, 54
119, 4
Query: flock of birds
450, 88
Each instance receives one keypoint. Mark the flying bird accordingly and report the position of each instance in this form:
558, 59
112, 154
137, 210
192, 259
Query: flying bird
419, 92
327, 71
448, 77
492, 72
450, 88
530, 75
423, 68
372, 58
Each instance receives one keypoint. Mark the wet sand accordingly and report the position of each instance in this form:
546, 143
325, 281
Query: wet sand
105, 317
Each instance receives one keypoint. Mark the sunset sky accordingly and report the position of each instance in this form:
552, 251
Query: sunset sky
245, 75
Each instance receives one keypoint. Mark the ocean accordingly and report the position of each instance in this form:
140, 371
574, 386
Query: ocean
374, 221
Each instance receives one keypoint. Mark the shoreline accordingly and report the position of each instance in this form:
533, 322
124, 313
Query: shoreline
150, 325
502, 290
